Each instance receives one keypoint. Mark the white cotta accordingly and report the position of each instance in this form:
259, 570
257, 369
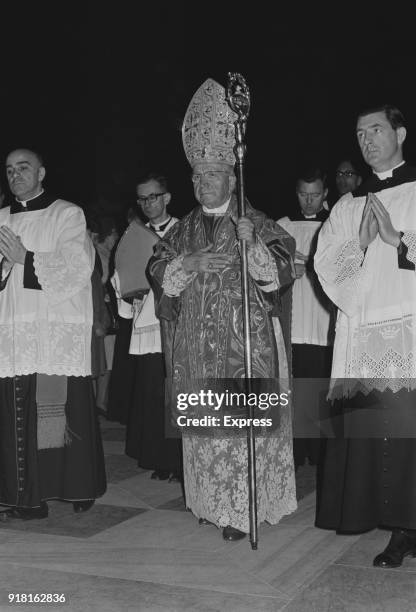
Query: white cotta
312, 317
375, 333
49, 330
145, 337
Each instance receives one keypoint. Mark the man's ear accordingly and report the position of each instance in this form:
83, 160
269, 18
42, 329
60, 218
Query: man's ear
401, 135
41, 173
167, 198
359, 181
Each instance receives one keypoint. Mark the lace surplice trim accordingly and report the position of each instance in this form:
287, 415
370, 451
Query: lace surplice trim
382, 357
58, 276
262, 266
409, 239
176, 279
390, 365
348, 261
348, 387
46, 347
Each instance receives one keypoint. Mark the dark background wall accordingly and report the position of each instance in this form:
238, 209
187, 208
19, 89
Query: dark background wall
101, 90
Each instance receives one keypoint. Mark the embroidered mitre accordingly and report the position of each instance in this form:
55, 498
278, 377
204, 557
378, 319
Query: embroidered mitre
208, 132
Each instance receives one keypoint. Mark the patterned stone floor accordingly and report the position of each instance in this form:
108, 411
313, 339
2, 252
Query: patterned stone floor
138, 549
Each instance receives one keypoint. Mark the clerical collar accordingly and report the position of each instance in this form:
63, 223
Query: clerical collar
387, 173
221, 210
38, 202
24, 202
160, 227
310, 216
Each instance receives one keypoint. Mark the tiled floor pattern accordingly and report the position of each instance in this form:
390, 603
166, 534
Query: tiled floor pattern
138, 549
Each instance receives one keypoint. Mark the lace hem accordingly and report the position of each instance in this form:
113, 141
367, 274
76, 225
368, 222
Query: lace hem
176, 279
262, 266
59, 370
409, 239
215, 478
45, 347
381, 357
347, 388
348, 261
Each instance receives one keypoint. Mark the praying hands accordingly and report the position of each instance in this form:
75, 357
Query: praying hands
376, 220
11, 246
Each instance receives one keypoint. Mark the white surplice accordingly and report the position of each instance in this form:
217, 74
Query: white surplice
375, 334
49, 331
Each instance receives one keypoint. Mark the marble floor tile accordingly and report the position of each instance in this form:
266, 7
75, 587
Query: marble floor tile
350, 589
177, 504
96, 594
152, 492
368, 545
116, 495
290, 556
114, 447
165, 529
305, 513
63, 521
121, 467
186, 568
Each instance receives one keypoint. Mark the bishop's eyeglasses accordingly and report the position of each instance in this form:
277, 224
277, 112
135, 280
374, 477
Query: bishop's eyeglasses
149, 199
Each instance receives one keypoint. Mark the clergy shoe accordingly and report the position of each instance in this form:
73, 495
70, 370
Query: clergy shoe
401, 544
28, 514
83, 506
230, 534
160, 475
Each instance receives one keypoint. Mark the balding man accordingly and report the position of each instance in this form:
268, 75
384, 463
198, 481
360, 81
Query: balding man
50, 446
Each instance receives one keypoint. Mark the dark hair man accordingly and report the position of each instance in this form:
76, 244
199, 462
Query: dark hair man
366, 263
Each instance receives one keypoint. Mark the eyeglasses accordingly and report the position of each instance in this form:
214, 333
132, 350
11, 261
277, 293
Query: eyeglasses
346, 173
211, 175
150, 199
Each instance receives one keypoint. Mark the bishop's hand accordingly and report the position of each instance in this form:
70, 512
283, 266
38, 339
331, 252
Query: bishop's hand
205, 261
369, 226
387, 232
246, 231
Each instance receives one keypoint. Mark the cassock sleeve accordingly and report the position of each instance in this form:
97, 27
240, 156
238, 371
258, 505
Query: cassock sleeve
339, 258
62, 273
4, 276
30, 280
406, 252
